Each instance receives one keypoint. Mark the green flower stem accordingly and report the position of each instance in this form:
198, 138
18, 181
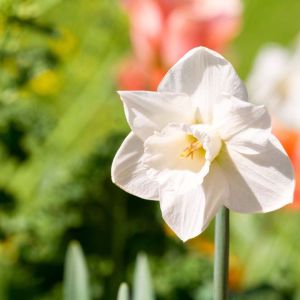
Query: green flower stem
221, 255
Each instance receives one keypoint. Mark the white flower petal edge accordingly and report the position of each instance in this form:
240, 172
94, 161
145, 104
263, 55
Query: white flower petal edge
204, 75
129, 173
188, 214
147, 112
258, 183
242, 125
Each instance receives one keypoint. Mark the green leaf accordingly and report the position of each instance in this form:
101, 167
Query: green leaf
142, 283
76, 286
123, 293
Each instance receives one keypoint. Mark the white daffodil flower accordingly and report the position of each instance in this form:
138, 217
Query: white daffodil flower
196, 144
274, 82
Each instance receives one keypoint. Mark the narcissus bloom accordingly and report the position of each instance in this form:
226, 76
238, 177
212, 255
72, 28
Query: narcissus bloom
196, 144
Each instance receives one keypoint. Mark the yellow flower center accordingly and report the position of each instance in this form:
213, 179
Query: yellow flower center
194, 145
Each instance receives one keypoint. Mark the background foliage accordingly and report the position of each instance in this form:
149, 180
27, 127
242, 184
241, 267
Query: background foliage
61, 123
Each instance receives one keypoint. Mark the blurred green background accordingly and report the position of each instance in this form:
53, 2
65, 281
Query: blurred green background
61, 123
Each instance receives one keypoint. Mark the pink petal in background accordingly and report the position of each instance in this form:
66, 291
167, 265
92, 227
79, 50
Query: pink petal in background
163, 30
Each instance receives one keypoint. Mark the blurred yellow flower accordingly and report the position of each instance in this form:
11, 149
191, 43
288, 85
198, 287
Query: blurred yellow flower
8, 251
168, 231
2, 26
64, 44
45, 83
199, 244
236, 273
202, 245
9, 64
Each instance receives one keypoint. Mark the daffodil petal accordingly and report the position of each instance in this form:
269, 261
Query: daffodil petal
147, 112
177, 181
204, 75
129, 173
242, 125
197, 145
258, 183
189, 213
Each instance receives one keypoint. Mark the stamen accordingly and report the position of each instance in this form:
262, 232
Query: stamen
189, 151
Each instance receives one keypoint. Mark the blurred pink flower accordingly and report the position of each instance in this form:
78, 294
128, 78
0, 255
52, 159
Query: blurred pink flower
133, 75
163, 30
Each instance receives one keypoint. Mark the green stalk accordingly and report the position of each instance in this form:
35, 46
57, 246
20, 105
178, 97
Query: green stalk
221, 255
